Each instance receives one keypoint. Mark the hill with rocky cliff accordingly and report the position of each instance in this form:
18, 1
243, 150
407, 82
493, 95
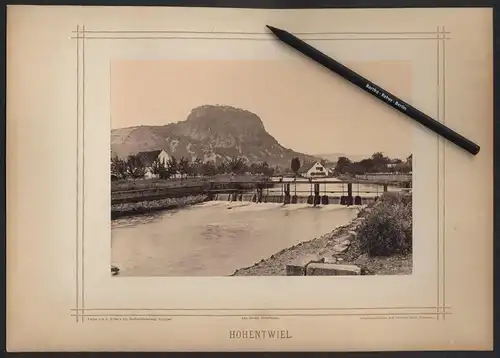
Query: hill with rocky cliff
210, 132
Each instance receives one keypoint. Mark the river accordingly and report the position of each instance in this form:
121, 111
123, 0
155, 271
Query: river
302, 188
217, 237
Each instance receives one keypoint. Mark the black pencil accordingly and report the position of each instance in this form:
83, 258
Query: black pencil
375, 90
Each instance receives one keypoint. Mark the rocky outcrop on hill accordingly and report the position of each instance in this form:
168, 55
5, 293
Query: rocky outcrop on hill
210, 132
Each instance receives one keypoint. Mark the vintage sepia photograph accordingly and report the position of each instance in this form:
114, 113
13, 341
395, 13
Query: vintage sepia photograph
191, 167
257, 168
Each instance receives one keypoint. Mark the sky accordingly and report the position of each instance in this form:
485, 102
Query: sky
304, 106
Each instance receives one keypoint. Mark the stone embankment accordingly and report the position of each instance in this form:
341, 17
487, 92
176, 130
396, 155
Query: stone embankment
337, 253
330, 254
149, 206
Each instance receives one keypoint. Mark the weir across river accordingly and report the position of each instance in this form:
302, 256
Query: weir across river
313, 192
322, 191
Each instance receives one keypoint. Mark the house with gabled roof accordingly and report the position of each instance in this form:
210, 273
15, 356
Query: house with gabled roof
313, 170
149, 157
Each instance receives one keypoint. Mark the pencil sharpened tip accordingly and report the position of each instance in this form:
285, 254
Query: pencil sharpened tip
273, 29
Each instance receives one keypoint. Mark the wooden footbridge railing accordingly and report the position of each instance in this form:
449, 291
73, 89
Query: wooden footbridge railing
319, 190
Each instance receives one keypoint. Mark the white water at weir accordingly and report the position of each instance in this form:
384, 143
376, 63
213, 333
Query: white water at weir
303, 190
274, 197
217, 237
330, 189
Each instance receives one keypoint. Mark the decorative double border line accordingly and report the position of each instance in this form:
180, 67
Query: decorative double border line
441, 166
252, 36
80, 312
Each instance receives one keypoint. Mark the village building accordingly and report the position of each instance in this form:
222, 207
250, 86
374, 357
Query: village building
148, 158
313, 170
330, 168
393, 163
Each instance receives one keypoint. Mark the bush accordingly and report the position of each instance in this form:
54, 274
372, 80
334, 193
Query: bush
396, 197
387, 229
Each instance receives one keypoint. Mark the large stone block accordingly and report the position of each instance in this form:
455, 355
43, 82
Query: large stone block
298, 266
324, 269
340, 248
323, 251
343, 238
330, 260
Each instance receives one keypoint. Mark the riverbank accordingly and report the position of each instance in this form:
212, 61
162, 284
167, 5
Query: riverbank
356, 243
142, 184
146, 207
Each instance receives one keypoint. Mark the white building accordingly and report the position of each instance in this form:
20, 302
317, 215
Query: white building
315, 170
148, 158
393, 163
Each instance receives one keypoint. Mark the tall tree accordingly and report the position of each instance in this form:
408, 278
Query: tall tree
265, 169
380, 162
184, 166
222, 167
156, 166
118, 167
409, 159
408, 164
172, 166
343, 164
208, 168
356, 168
135, 167
270, 171
164, 172
295, 166
237, 165
254, 168
368, 165
160, 168
196, 167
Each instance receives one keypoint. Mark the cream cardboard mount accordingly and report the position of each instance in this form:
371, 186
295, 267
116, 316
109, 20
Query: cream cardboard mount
60, 293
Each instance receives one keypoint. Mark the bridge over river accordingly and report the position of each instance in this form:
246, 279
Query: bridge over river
322, 191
